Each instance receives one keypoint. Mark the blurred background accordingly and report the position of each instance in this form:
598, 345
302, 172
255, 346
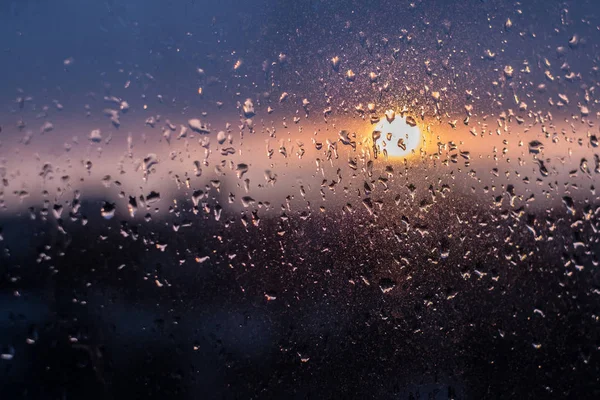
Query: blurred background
314, 199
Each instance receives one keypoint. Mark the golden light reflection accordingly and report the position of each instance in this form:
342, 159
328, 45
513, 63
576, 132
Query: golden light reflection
396, 137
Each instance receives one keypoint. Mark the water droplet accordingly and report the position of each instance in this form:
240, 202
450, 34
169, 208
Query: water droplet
542, 168
247, 201
197, 126
46, 127
108, 210
149, 161
535, 147
7, 353
568, 202
221, 137
241, 169
132, 206
386, 285
335, 63
95, 136
390, 115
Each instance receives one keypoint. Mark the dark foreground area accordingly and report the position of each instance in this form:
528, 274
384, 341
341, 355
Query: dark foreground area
346, 306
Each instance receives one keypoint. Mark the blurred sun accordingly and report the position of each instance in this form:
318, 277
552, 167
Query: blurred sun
396, 136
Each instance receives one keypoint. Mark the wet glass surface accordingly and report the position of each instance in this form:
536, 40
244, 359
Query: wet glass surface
310, 199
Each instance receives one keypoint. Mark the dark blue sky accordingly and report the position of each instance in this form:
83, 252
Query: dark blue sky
170, 39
